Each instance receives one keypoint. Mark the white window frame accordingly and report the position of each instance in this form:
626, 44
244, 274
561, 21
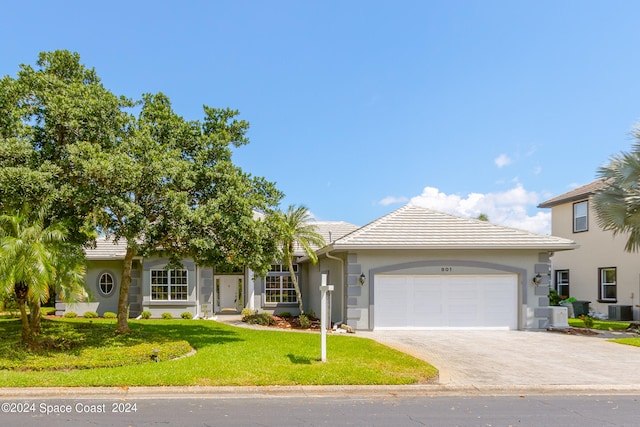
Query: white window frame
176, 283
604, 284
278, 282
580, 217
110, 281
562, 282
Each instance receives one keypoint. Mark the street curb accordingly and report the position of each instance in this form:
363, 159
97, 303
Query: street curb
230, 392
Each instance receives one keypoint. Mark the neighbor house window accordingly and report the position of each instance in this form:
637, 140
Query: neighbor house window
562, 283
106, 284
608, 284
580, 216
278, 287
169, 285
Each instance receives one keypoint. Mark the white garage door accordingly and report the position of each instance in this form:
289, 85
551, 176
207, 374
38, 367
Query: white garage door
446, 302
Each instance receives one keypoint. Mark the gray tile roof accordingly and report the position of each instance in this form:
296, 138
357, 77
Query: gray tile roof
107, 249
579, 193
414, 227
330, 231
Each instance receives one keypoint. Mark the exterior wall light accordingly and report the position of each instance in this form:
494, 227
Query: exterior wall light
537, 279
362, 279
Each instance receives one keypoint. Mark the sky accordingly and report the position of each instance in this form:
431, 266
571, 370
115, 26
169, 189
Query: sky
358, 107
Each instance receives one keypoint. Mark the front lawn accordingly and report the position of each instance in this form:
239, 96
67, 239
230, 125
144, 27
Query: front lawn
225, 355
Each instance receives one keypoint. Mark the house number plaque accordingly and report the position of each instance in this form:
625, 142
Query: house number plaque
446, 269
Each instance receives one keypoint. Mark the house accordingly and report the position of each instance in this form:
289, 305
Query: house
411, 269
200, 290
416, 268
600, 271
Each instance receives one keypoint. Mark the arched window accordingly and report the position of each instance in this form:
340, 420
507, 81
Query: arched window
106, 284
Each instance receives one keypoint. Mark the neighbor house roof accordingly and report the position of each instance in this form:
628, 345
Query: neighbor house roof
107, 249
579, 193
414, 227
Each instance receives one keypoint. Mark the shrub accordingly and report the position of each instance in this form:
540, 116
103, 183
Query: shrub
70, 314
109, 315
264, 319
186, 315
285, 314
311, 314
588, 321
90, 315
247, 312
304, 320
166, 315
145, 314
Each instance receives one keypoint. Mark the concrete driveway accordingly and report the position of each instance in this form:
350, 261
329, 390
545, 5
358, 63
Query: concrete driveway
518, 358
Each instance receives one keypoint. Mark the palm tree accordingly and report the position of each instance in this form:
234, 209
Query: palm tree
32, 262
617, 203
296, 231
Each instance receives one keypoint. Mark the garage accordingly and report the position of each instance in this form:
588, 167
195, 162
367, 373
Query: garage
446, 302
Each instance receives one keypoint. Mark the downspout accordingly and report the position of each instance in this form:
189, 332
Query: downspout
344, 290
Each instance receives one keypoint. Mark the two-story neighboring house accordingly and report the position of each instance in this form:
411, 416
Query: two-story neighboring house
599, 271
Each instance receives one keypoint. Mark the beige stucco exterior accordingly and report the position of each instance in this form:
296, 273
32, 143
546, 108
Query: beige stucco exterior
597, 249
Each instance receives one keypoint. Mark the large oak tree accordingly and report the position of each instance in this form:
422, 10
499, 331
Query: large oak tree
159, 181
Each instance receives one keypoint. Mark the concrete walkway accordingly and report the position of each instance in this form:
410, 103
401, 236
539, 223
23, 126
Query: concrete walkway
518, 358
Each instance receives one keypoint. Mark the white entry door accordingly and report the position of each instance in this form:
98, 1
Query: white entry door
229, 289
446, 302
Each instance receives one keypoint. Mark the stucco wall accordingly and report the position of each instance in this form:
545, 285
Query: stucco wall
598, 249
533, 300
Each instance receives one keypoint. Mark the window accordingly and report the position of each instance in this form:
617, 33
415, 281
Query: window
580, 216
278, 286
169, 285
562, 283
106, 284
607, 291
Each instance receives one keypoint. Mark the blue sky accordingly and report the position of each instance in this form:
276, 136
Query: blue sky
359, 107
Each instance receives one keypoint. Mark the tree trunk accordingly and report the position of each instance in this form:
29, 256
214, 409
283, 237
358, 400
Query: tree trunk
296, 286
123, 297
21, 290
34, 323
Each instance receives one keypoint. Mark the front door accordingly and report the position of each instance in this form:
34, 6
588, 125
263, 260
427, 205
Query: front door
230, 293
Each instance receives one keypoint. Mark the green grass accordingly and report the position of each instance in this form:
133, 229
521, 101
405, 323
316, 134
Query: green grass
602, 325
627, 341
226, 355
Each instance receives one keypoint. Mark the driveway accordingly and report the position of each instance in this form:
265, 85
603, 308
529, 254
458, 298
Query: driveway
504, 358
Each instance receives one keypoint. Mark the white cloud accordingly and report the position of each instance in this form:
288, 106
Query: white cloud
391, 200
509, 208
502, 160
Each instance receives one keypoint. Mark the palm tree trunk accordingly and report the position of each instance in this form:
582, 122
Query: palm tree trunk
35, 324
123, 297
21, 289
296, 285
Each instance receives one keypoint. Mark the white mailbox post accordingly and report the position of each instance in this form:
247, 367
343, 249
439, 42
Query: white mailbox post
324, 288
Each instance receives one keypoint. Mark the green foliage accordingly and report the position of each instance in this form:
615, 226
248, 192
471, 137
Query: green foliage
65, 345
186, 315
145, 314
247, 312
166, 315
617, 202
90, 315
264, 319
70, 315
554, 298
602, 325
241, 357
159, 181
587, 320
294, 229
311, 315
109, 315
284, 314
305, 323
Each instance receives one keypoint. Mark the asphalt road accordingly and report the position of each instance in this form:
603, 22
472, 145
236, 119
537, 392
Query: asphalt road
283, 411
